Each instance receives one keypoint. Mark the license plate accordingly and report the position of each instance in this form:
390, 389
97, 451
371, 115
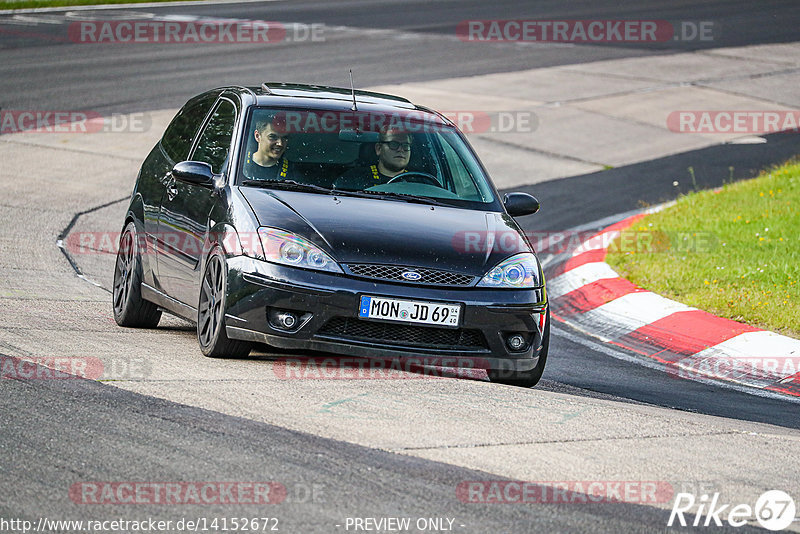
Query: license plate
409, 311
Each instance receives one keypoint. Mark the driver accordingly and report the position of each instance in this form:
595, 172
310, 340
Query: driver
393, 151
268, 162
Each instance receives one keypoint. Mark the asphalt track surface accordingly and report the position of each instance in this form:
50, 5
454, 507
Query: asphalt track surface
128, 77
55, 433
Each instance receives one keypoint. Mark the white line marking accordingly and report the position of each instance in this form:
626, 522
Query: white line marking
630, 312
578, 277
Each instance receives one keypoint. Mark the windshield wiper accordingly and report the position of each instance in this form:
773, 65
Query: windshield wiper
395, 196
289, 185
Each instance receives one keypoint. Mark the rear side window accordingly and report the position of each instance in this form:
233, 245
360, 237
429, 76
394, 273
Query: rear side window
178, 137
215, 141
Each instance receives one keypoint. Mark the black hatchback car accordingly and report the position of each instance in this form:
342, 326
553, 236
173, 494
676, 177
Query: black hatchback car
320, 218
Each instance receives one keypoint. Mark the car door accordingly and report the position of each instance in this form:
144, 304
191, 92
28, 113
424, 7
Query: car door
183, 220
174, 146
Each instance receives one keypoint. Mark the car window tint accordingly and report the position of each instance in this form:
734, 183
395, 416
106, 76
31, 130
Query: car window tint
320, 148
180, 133
215, 141
464, 168
337, 150
464, 185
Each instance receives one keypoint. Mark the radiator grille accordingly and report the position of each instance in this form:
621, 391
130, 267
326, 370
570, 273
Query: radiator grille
400, 334
394, 273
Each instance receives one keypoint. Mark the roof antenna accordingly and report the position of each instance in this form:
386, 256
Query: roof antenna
353, 92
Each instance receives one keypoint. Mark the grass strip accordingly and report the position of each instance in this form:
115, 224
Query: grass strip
31, 4
733, 252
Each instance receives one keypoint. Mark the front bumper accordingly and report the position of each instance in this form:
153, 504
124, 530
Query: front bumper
328, 304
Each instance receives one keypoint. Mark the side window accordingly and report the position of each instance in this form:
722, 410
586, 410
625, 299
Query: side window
215, 141
178, 137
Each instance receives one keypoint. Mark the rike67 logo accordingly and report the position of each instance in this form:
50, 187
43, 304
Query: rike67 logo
774, 510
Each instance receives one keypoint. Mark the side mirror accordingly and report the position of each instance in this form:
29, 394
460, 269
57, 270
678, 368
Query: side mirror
194, 172
519, 204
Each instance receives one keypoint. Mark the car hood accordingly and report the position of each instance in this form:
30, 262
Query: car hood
378, 231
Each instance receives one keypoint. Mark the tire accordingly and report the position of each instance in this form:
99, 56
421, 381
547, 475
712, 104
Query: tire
525, 379
130, 309
211, 335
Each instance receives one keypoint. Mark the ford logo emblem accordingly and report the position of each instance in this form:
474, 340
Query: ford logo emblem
411, 275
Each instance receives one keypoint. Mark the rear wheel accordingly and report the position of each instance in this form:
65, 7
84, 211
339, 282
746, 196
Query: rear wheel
529, 378
130, 309
214, 341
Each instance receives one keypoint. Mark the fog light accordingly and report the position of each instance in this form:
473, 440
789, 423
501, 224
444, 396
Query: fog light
286, 320
515, 342
283, 320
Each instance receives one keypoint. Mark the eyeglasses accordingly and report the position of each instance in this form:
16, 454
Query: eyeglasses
396, 145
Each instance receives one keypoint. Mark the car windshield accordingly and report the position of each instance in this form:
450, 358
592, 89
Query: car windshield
412, 156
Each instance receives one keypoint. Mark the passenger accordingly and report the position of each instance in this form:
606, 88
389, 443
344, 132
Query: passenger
393, 151
268, 162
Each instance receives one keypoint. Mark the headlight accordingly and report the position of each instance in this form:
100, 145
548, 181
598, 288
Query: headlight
518, 272
291, 249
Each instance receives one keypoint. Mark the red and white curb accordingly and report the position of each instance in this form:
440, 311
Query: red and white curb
587, 294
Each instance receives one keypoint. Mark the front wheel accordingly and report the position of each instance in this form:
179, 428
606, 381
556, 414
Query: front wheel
214, 341
130, 309
525, 379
